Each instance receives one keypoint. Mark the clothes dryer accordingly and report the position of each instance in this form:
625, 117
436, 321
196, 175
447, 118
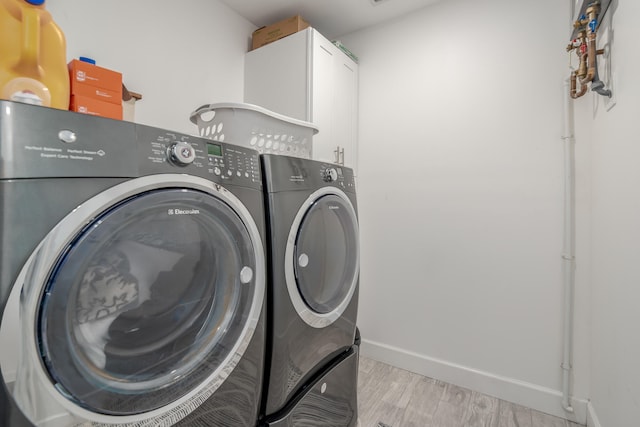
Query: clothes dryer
313, 253
132, 275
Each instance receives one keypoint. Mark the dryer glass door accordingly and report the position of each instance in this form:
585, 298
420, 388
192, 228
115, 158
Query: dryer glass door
147, 301
326, 253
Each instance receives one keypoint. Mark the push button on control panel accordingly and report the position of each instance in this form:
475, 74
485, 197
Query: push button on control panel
67, 136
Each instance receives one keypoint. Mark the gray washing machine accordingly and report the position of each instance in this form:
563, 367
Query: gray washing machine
132, 275
313, 253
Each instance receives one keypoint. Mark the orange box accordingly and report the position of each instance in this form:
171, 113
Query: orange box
105, 95
273, 32
84, 73
94, 107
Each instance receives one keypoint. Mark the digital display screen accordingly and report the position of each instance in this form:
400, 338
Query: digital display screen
214, 150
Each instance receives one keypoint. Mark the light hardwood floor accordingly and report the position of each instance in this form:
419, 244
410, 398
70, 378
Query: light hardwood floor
392, 397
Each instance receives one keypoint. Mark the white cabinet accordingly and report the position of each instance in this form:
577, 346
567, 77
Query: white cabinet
306, 77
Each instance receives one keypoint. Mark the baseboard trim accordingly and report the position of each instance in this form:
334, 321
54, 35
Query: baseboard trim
523, 393
592, 418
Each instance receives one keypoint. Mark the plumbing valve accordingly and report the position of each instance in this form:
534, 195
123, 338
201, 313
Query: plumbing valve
573, 45
581, 22
585, 47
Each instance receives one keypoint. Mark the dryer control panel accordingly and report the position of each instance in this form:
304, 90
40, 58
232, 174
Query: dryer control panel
337, 175
292, 173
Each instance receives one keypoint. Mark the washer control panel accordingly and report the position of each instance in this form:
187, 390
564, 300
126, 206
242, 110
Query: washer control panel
224, 163
68, 144
231, 162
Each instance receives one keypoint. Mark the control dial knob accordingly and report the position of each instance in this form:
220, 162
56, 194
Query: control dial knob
330, 175
182, 153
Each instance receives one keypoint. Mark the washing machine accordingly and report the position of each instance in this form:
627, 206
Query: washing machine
313, 255
132, 275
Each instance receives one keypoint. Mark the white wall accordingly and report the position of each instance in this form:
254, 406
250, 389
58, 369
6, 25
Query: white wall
178, 54
460, 198
615, 390
460, 186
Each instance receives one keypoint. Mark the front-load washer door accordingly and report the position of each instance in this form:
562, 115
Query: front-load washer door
322, 257
141, 303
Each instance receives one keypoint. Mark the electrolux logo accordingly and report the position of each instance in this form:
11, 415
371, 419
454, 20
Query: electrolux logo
178, 211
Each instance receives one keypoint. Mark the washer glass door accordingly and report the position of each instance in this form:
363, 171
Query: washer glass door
147, 301
326, 254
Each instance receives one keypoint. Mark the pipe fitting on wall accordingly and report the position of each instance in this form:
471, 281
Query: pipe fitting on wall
587, 52
583, 87
592, 13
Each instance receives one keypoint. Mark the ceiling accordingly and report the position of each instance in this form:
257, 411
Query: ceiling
333, 18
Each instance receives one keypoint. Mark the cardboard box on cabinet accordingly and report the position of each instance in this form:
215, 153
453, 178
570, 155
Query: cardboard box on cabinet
273, 32
95, 90
95, 107
104, 95
83, 73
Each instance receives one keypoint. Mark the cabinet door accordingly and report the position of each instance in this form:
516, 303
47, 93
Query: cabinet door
345, 117
323, 98
334, 103
306, 77
276, 76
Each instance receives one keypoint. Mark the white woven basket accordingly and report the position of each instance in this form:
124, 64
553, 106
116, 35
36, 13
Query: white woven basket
255, 127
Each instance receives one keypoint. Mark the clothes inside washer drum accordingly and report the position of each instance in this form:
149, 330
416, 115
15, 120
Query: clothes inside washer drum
107, 288
157, 333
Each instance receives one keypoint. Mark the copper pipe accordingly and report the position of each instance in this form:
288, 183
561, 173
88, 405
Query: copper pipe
583, 87
591, 59
592, 14
581, 53
580, 23
582, 67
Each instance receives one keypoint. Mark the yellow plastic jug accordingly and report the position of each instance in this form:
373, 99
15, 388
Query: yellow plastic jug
33, 55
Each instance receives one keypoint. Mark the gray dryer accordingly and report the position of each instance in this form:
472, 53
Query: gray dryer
313, 254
